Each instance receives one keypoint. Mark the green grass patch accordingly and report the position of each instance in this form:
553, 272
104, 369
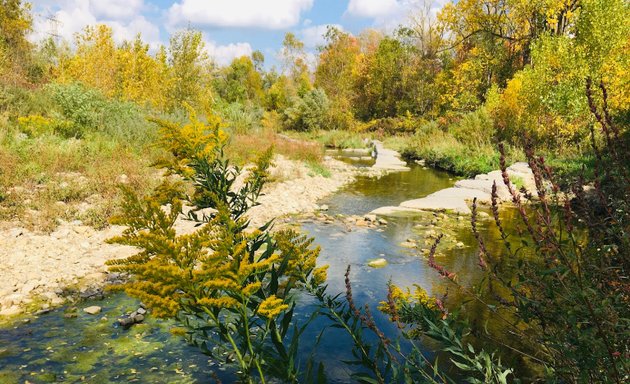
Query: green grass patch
317, 169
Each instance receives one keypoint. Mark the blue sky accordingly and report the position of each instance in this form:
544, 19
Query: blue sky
231, 28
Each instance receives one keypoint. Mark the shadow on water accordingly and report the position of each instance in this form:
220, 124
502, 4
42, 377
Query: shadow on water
53, 348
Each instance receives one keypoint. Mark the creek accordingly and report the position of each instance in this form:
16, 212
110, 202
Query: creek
90, 348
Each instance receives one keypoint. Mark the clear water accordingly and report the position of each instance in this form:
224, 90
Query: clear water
52, 348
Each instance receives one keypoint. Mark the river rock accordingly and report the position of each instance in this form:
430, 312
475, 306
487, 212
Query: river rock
395, 211
92, 310
388, 159
408, 244
377, 263
370, 217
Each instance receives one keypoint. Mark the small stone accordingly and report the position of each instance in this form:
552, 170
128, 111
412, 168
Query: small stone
92, 310
371, 218
460, 244
138, 318
362, 223
42, 311
408, 244
323, 207
377, 263
70, 315
141, 311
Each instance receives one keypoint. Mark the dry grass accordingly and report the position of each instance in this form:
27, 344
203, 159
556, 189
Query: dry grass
47, 178
245, 149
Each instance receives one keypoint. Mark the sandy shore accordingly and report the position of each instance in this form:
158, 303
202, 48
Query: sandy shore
36, 268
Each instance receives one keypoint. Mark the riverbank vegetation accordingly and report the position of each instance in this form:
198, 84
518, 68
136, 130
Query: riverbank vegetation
545, 81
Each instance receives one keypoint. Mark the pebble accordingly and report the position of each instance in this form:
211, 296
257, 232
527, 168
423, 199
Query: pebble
92, 310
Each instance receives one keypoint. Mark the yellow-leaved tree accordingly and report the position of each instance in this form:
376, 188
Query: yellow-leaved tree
94, 62
140, 77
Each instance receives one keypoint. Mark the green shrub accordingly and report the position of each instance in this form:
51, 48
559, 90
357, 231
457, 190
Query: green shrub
240, 118
475, 129
308, 112
407, 124
80, 106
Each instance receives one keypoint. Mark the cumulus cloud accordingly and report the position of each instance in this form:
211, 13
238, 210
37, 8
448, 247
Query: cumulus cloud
373, 8
269, 14
123, 16
314, 36
224, 54
116, 9
388, 14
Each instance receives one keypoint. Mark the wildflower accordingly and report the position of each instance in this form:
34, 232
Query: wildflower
320, 275
271, 307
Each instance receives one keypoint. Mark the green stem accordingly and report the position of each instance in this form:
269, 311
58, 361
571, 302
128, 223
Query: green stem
249, 344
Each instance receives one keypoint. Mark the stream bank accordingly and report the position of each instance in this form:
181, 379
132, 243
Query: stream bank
39, 270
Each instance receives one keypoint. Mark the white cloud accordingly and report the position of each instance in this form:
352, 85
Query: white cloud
224, 54
127, 31
269, 14
314, 36
123, 16
116, 9
373, 8
388, 14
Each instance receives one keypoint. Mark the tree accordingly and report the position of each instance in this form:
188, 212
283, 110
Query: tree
294, 63
140, 78
259, 60
491, 40
95, 61
188, 60
240, 82
546, 99
334, 74
15, 49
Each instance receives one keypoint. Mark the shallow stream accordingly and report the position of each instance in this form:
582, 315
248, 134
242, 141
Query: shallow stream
88, 348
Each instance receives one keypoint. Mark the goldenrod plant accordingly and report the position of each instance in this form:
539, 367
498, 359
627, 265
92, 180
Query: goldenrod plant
230, 286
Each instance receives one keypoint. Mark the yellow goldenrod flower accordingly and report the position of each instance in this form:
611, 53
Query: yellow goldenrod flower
271, 307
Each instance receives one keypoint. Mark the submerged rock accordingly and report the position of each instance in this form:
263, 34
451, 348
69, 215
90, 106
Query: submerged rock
408, 244
377, 263
92, 310
134, 317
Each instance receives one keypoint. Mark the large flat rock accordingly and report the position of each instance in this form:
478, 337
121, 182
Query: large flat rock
457, 199
395, 211
485, 186
467, 194
388, 159
432, 203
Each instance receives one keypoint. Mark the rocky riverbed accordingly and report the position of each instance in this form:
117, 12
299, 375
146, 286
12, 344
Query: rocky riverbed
39, 270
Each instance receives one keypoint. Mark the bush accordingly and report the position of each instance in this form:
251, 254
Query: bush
308, 112
474, 129
239, 118
81, 107
393, 125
